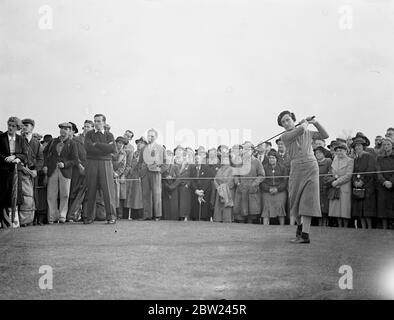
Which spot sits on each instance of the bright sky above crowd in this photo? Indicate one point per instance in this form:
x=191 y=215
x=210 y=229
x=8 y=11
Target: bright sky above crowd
x=184 y=67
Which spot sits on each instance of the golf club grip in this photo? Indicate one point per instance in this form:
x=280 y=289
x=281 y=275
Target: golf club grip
x=310 y=118
x=307 y=119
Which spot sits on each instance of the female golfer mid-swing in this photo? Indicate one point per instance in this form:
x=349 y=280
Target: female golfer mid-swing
x=304 y=171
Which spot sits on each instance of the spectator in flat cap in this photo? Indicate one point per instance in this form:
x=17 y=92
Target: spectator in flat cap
x=77 y=201
x=35 y=162
x=61 y=157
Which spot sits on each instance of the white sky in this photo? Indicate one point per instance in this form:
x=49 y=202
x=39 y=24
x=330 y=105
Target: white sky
x=206 y=64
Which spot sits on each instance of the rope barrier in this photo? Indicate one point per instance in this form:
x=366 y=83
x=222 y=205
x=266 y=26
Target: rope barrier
x=253 y=177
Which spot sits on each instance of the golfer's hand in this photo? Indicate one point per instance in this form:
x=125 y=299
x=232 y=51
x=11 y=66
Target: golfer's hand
x=334 y=183
x=304 y=123
x=17 y=160
x=60 y=165
x=311 y=121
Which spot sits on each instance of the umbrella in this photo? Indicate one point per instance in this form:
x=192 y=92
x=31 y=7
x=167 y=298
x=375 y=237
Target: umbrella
x=14 y=194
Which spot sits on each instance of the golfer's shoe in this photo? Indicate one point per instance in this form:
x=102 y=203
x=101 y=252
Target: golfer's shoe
x=298 y=233
x=111 y=221
x=87 y=221
x=304 y=238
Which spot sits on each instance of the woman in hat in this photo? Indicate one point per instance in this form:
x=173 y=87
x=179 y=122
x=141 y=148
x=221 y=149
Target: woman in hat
x=341 y=171
x=385 y=183
x=184 y=161
x=134 y=190
x=364 y=186
x=304 y=172
x=249 y=173
x=324 y=164
x=274 y=189
x=224 y=184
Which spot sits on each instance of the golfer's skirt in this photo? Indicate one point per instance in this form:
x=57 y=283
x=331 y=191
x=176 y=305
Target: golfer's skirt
x=304 y=194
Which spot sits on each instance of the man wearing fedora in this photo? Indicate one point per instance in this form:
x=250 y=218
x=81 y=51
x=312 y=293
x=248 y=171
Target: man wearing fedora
x=59 y=159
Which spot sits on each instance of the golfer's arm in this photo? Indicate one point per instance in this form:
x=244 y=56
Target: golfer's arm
x=290 y=136
x=322 y=131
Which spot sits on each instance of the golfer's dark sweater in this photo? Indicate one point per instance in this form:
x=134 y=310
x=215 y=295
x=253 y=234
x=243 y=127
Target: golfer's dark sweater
x=99 y=146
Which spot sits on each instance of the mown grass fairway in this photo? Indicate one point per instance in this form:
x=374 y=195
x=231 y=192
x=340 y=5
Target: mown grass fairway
x=190 y=260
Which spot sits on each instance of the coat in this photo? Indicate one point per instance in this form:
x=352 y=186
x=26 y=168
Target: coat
x=170 y=196
x=247 y=198
x=284 y=160
x=274 y=205
x=366 y=207
x=35 y=155
x=343 y=168
x=133 y=186
x=201 y=184
x=324 y=168
x=68 y=155
x=78 y=170
x=385 y=207
x=224 y=176
x=271 y=180
x=119 y=165
x=7 y=169
x=152 y=158
x=184 y=190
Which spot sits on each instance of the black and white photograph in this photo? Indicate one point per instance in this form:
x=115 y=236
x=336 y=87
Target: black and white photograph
x=212 y=152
